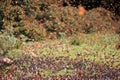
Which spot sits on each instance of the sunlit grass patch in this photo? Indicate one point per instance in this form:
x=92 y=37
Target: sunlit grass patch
x=93 y=47
x=47 y=73
x=65 y=72
x=60 y=57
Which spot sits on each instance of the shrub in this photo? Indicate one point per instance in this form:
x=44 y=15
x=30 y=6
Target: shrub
x=7 y=43
x=67 y=20
x=19 y=24
x=21 y=2
x=97 y=19
x=40 y=16
x=36 y=34
x=88 y=28
x=32 y=33
x=60 y=19
x=14 y=14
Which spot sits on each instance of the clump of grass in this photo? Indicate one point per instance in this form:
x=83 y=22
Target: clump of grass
x=47 y=73
x=64 y=72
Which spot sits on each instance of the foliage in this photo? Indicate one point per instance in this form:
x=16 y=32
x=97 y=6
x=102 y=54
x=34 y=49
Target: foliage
x=56 y=17
x=7 y=43
x=19 y=24
x=14 y=14
x=31 y=32
x=21 y=2
x=63 y=19
x=59 y=20
x=84 y=55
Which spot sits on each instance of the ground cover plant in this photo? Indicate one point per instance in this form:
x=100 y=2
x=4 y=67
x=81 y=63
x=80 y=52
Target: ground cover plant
x=59 y=40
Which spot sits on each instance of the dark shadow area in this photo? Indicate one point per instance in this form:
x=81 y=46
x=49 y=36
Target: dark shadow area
x=112 y=5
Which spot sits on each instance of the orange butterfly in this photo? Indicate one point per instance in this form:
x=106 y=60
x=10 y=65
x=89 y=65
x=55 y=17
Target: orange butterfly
x=82 y=11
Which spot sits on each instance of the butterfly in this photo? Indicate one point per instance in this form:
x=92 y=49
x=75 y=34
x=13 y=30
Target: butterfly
x=81 y=11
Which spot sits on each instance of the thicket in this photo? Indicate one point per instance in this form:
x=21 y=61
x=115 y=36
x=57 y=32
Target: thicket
x=37 y=20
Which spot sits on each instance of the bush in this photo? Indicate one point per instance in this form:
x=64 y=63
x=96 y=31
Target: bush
x=19 y=24
x=36 y=34
x=21 y=2
x=67 y=20
x=88 y=28
x=60 y=20
x=96 y=20
x=7 y=43
x=32 y=33
x=14 y=14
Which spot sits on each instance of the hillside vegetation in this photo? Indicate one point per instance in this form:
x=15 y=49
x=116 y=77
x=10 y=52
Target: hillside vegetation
x=60 y=40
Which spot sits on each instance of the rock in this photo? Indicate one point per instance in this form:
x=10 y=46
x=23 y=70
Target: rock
x=5 y=60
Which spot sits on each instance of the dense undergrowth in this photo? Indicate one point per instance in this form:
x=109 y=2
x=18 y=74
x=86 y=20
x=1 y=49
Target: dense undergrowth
x=49 y=39
x=37 y=20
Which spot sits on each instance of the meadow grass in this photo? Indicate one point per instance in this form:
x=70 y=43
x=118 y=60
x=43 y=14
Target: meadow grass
x=89 y=44
x=98 y=48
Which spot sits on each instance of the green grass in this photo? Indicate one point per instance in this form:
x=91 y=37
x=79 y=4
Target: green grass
x=98 y=48
x=65 y=71
x=96 y=45
x=93 y=47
